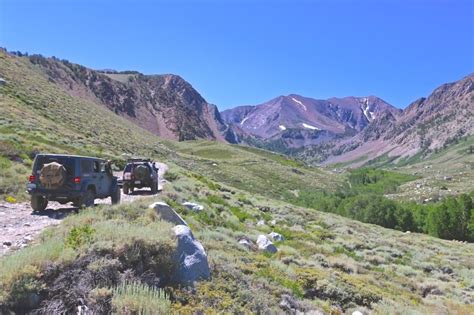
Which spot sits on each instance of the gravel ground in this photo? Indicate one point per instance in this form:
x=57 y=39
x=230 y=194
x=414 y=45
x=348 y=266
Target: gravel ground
x=20 y=225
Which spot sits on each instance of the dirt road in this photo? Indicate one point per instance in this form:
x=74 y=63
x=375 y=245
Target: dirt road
x=19 y=225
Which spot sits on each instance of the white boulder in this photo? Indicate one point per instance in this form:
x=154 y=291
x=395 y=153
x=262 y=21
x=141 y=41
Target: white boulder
x=261 y=223
x=191 y=258
x=167 y=213
x=193 y=206
x=276 y=237
x=264 y=244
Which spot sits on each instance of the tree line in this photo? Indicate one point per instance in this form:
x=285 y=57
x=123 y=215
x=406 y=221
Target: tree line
x=362 y=198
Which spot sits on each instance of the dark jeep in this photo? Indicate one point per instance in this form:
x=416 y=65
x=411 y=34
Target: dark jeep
x=139 y=173
x=71 y=178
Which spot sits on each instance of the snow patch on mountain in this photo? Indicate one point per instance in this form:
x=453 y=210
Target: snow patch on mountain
x=243 y=121
x=365 y=108
x=310 y=127
x=282 y=127
x=299 y=103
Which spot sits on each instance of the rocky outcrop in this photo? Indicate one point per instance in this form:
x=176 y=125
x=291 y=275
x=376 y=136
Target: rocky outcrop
x=165 y=105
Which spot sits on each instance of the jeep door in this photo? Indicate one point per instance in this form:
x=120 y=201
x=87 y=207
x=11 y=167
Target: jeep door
x=106 y=179
x=97 y=179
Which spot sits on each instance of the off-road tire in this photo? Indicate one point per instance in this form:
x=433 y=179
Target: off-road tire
x=154 y=188
x=125 y=188
x=115 y=197
x=88 y=199
x=39 y=203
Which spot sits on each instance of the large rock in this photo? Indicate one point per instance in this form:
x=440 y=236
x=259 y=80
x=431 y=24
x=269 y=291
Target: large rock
x=191 y=259
x=167 y=213
x=264 y=244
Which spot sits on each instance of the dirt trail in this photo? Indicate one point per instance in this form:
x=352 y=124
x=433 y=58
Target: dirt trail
x=19 y=225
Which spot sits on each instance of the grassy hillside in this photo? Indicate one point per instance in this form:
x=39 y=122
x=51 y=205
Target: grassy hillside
x=447 y=172
x=115 y=258
x=326 y=262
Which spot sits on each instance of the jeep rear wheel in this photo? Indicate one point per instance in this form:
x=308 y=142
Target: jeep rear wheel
x=88 y=199
x=39 y=203
x=115 y=197
x=125 y=189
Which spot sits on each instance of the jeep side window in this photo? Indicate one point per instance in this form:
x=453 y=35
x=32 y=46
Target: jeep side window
x=96 y=167
x=86 y=166
x=102 y=167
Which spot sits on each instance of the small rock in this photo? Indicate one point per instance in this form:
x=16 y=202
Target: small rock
x=288 y=303
x=82 y=310
x=265 y=244
x=245 y=243
x=276 y=237
x=261 y=222
x=273 y=222
x=26 y=224
x=357 y=313
x=447 y=178
x=193 y=206
x=7 y=243
x=447 y=270
x=264 y=209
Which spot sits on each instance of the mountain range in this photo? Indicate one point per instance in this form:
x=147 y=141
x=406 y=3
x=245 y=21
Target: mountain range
x=350 y=130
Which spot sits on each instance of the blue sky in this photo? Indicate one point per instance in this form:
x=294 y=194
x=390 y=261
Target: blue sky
x=246 y=52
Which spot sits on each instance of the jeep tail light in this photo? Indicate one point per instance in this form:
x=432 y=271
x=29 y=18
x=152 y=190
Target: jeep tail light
x=127 y=176
x=77 y=180
x=32 y=178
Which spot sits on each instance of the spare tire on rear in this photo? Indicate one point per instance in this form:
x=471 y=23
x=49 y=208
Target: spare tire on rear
x=141 y=172
x=53 y=175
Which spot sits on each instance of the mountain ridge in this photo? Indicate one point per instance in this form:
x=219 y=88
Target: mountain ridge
x=357 y=126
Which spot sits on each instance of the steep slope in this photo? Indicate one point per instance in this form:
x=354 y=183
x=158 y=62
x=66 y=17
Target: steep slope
x=165 y=105
x=298 y=121
x=425 y=126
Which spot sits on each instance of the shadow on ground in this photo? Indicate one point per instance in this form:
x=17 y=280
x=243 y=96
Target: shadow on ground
x=57 y=214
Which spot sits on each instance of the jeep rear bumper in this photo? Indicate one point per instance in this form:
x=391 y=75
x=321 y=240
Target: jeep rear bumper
x=52 y=195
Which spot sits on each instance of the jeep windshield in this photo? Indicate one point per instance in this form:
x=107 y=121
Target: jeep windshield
x=67 y=162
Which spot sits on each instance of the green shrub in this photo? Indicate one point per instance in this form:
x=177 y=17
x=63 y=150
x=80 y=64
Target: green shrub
x=240 y=214
x=79 y=236
x=171 y=176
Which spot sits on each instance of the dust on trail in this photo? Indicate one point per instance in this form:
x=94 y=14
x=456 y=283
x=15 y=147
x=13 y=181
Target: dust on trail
x=20 y=225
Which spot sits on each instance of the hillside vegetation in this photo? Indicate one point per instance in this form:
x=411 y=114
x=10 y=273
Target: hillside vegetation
x=325 y=262
x=117 y=258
